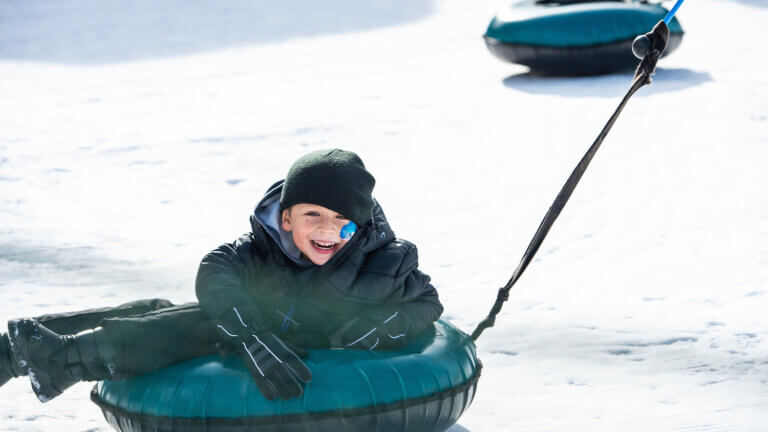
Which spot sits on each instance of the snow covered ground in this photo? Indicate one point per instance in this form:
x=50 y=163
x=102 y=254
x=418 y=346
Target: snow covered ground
x=137 y=136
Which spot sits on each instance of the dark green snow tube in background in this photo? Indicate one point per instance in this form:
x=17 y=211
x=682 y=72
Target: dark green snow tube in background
x=425 y=386
x=575 y=37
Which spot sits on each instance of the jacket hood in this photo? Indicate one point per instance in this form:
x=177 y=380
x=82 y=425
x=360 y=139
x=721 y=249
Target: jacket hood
x=266 y=215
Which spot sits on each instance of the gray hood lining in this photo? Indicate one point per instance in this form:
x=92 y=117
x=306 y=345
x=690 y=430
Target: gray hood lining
x=268 y=215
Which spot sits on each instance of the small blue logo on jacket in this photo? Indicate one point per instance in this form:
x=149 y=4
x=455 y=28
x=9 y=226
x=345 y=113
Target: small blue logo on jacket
x=288 y=319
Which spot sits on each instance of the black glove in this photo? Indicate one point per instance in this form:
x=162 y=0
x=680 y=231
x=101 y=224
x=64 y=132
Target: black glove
x=275 y=368
x=226 y=349
x=380 y=330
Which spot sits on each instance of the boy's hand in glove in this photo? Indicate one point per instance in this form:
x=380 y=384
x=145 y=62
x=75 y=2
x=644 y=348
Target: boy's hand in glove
x=276 y=369
x=381 y=330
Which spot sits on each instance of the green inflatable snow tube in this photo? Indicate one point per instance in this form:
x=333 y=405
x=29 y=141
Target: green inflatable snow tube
x=424 y=386
x=575 y=37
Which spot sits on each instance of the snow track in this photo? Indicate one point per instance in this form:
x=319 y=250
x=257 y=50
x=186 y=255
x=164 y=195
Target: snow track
x=137 y=136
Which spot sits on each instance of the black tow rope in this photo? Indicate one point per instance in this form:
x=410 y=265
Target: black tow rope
x=649 y=48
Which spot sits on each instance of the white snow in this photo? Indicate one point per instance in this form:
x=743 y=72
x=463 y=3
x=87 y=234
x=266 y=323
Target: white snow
x=35 y=382
x=137 y=136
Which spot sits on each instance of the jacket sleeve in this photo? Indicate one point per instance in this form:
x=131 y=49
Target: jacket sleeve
x=222 y=280
x=414 y=297
x=425 y=309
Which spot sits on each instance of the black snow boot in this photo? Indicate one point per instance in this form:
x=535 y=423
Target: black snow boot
x=55 y=362
x=7 y=365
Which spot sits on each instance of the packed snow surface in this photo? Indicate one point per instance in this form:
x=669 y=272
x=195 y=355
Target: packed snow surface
x=137 y=136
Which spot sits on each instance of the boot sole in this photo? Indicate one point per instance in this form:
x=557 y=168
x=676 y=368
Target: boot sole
x=19 y=332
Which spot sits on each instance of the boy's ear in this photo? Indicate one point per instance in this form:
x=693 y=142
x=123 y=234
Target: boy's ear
x=286 y=219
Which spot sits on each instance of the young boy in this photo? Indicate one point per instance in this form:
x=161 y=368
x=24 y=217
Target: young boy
x=321 y=268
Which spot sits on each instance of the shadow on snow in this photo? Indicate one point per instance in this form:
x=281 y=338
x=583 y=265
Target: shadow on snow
x=102 y=31
x=608 y=86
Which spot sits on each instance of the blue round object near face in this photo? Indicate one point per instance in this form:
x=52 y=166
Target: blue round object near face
x=348 y=231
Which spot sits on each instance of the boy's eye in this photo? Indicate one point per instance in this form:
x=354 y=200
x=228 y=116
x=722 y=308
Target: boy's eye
x=312 y=213
x=341 y=217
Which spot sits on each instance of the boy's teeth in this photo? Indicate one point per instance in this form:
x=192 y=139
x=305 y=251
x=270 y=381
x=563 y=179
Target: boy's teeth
x=324 y=245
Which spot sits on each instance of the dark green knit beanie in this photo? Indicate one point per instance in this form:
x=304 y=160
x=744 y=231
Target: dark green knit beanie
x=335 y=179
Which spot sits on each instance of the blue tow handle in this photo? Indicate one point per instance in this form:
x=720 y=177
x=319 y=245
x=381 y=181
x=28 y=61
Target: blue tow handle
x=671 y=13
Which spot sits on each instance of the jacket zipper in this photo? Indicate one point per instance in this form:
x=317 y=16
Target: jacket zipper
x=349 y=247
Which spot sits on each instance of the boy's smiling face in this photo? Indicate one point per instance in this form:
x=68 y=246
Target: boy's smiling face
x=316 y=230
